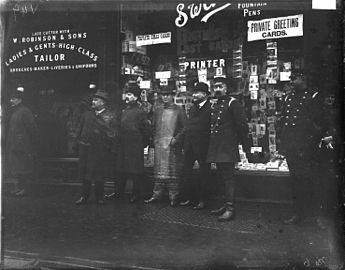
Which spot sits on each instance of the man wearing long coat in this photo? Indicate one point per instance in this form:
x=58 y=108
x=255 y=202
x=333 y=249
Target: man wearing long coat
x=169 y=121
x=228 y=129
x=20 y=143
x=97 y=137
x=135 y=131
x=196 y=140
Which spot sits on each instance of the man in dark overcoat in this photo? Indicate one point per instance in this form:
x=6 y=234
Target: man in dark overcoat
x=135 y=132
x=97 y=137
x=196 y=138
x=19 y=157
x=301 y=132
x=228 y=129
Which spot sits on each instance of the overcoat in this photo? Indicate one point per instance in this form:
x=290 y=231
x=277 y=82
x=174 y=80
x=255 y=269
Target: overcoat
x=135 y=131
x=97 y=136
x=228 y=129
x=20 y=141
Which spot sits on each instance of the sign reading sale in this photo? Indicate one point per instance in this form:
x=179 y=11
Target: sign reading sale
x=273 y=28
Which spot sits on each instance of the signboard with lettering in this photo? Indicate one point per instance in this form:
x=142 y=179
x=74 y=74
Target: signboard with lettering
x=51 y=50
x=151 y=39
x=273 y=28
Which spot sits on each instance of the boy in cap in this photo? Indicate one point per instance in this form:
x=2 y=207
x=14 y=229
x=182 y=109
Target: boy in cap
x=19 y=158
x=135 y=132
x=169 y=121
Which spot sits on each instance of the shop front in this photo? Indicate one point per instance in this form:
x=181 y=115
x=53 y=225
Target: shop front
x=56 y=54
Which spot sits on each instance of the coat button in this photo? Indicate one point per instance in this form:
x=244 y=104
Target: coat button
x=293 y=124
x=218 y=118
x=288 y=105
x=297 y=110
x=211 y=131
x=287 y=111
x=216 y=131
x=286 y=124
x=294 y=116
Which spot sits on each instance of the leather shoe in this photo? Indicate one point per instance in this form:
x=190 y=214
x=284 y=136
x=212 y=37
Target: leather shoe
x=100 y=202
x=20 y=193
x=228 y=215
x=110 y=196
x=201 y=205
x=219 y=211
x=293 y=220
x=133 y=199
x=185 y=203
x=81 y=201
x=173 y=203
x=151 y=200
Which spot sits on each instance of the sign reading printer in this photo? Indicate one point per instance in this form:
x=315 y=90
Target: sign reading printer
x=151 y=39
x=282 y=27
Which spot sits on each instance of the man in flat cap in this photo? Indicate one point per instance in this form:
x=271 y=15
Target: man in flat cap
x=229 y=128
x=196 y=138
x=19 y=157
x=135 y=132
x=97 y=135
x=301 y=132
x=169 y=121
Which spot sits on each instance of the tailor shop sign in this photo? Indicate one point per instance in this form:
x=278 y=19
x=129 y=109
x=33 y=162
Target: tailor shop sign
x=273 y=28
x=51 y=51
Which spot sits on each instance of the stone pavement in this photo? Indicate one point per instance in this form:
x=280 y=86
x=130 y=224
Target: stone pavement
x=45 y=230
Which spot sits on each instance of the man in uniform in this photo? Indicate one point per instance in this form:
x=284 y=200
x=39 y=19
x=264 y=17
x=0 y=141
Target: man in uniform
x=228 y=129
x=301 y=133
x=196 y=138
x=135 y=132
x=20 y=143
x=97 y=135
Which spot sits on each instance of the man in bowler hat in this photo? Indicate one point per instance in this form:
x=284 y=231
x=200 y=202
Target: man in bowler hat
x=97 y=135
x=19 y=157
x=135 y=132
x=228 y=129
x=196 y=138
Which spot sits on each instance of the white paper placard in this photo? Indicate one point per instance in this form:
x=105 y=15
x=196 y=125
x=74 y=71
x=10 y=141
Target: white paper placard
x=145 y=84
x=324 y=4
x=273 y=28
x=143 y=40
x=163 y=74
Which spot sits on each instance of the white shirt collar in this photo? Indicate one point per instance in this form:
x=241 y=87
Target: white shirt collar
x=202 y=103
x=100 y=111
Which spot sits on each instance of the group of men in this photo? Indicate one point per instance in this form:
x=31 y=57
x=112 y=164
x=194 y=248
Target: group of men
x=210 y=134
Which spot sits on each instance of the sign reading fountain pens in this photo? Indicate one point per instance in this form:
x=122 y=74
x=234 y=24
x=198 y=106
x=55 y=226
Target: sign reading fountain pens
x=52 y=50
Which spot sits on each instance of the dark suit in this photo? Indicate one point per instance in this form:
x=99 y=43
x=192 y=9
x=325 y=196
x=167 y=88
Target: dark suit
x=196 y=138
x=228 y=129
x=135 y=132
x=300 y=134
x=97 y=135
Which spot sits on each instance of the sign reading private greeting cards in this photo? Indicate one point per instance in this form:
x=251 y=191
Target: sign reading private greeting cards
x=273 y=28
x=50 y=50
x=151 y=39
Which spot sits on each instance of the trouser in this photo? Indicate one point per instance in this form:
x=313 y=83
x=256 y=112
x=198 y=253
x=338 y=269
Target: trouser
x=191 y=189
x=162 y=184
x=227 y=172
x=301 y=168
x=137 y=179
x=90 y=170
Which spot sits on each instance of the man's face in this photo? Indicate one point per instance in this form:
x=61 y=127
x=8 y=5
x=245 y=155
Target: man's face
x=297 y=81
x=130 y=98
x=15 y=101
x=199 y=96
x=167 y=98
x=220 y=89
x=98 y=103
